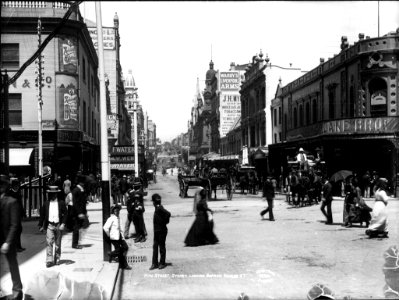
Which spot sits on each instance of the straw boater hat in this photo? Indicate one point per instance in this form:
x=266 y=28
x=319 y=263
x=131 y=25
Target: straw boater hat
x=53 y=189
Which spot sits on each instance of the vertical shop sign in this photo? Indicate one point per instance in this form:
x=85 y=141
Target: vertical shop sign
x=68 y=55
x=69 y=107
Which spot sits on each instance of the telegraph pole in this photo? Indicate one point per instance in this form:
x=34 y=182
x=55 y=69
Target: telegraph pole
x=105 y=170
x=136 y=142
x=39 y=84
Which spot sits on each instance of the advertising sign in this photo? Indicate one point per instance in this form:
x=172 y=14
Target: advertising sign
x=108 y=37
x=229 y=81
x=230 y=110
x=111 y=122
x=68 y=54
x=122 y=167
x=69 y=107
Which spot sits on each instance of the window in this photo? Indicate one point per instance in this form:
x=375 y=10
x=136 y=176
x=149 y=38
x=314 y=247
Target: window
x=331 y=103
x=300 y=115
x=275 y=116
x=84 y=116
x=15 y=109
x=378 y=97
x=351 y=102
x=84 y=68
x=295 y=117
x=307 y=113
x=275 y=138
x=279 y=115
x=92 y=85
x=314 y=109
x=9 y=56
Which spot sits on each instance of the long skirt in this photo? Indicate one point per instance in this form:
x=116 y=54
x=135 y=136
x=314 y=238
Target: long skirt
x=201 y=232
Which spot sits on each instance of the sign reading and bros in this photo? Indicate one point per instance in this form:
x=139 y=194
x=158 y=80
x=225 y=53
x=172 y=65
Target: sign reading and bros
x=108 y=37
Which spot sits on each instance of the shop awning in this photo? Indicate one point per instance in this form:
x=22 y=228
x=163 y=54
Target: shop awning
x=20 y=156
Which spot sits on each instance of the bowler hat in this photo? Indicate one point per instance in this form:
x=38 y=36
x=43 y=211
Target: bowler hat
x=53 y=189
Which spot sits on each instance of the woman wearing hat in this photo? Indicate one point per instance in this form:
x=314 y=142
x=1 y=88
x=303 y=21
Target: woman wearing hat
x=53 y=217
x=379 y=215
x=113 y=230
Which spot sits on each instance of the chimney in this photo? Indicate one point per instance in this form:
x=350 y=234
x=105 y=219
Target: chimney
x=344 y=43
x=361 y=36
x=321 y=60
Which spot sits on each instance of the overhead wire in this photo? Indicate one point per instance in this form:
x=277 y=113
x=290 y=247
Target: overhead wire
x=43 y=45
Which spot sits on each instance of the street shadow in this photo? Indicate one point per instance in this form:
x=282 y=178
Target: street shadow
x=66 y=262
x=86 y=245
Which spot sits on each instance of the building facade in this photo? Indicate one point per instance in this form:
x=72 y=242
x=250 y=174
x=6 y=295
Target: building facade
x=348 y=106
x=70 y=92
x=257 y=92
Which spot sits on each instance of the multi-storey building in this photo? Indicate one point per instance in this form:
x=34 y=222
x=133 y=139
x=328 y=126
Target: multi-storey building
x=70 y=92
x=348 y=106
x=257 y=91
x=118 y=119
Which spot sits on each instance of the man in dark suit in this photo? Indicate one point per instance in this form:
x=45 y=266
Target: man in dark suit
x=15 y=192
x=161 y=218
x=53 y=217
x=10 y=222
x=79 y=199
x=269 y=194
x=327 y=201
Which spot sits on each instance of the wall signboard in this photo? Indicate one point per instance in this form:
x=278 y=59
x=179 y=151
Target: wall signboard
x=108 y=37
x=68 y=54
x=69 y=107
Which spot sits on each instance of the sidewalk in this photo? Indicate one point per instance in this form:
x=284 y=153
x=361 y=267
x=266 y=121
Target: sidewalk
x=82 y=273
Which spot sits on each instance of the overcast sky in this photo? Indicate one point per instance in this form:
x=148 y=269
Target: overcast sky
x=168 y=45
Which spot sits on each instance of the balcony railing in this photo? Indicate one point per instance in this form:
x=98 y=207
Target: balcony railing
x=35 y=4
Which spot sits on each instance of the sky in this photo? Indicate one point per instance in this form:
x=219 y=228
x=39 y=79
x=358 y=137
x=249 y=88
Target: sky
x=168 y=45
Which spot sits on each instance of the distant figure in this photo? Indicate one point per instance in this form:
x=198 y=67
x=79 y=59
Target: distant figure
x=79 y=210
x=10 y=222
x=302 y=159
x=327 y=201
x=53 y=217
x=66 y=185
x=113 y=230
x=269 y=194
x=201 y=231
x=161 y=219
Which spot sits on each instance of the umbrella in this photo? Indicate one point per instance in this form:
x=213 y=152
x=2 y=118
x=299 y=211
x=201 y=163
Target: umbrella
x=341 y=175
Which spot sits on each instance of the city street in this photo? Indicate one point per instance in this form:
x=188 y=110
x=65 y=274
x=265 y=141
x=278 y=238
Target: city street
x=263 y=259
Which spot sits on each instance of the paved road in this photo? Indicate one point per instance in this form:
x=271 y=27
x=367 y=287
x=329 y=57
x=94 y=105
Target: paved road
x=263 y=259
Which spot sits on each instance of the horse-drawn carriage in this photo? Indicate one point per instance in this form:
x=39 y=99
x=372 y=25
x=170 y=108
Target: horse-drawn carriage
x=221 y=181
x=187 y=181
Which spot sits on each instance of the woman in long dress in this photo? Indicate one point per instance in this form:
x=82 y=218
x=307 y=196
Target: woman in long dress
x=201 y=232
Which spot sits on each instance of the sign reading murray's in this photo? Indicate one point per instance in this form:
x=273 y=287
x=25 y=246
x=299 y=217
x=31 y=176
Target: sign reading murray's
x=230 y=103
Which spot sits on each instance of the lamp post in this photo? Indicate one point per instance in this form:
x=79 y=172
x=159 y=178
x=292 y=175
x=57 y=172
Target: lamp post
x=39 y=84
x=105 y=170
x=136 y=154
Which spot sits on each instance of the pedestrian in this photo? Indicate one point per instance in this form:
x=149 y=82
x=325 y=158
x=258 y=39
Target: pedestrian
x=53 y=217
x=113 y=230
x=15 y=192
x=10 y=222
x=327 y=201
x=201 y=231
x=79 y=199
x=123 y=188
x=161 y=219
x=379 y=215
x=138 y=217
x=66 y=185
x=269 y=194
x=130 y=210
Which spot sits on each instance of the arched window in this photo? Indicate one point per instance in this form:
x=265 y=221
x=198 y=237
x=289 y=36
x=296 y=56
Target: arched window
x=378 y=97
x=301 y=115
x=351 y=102
x=331 y=103
x=307 y=114
x=314 y=110
x=295 y=117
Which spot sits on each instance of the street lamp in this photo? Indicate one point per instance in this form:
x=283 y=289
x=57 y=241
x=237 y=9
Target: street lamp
x=136 y=155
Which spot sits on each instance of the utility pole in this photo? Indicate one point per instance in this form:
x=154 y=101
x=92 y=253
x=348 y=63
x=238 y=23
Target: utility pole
x=105 y=169
x=39 y=85
x=136 y=142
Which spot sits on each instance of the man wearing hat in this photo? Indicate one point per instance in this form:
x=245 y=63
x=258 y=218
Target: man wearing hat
x=9 y=225
x=53 y=217
x=138 y=210
x=379 y=221
x=161 y=218
x=113 y=230
x=302 y=159
x=15 y=192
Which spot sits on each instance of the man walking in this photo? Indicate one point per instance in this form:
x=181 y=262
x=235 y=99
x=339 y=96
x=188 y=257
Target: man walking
x=10 y=222
x=161 y=218
x=79 y=210
x=15 y=192
x=327 y=201
x=268 y=193
x=53 y=217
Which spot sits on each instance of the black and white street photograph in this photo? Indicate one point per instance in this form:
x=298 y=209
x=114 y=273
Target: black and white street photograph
x=189 y=150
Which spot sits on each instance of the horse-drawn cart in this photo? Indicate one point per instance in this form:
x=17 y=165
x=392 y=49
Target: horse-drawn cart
x=221 y=181
x=187 y=181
